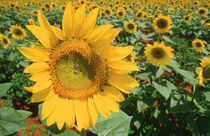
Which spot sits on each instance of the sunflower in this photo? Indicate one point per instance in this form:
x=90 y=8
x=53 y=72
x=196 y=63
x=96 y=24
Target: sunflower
x=130 y=26
x=198 y=45
x=204 y=71
x=159 y=54
x=139 y=15
x=187 y=18
x=4 y=41
x=107 y=11
x=77 y=73
x=31 y=21
x=162 y=24
x=202 y=12
x=196 y=3
x=47 y=6
x=120 y=12
x=17 y=32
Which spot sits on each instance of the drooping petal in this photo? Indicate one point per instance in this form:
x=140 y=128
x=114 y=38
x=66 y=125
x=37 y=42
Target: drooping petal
x=82 y=114
x=37 y=67
x=68 y=21
x=46 y=37
x=60 y=111
x=113 y=93
x=69 y=113
x=101 y=106
x=111 y=104
x=42 y=85
x=40 y=76
x=89 y=23
x=34 y=54
x=41 y=96
x=93 y=111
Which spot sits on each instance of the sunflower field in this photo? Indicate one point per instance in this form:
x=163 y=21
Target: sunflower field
x=104 y=67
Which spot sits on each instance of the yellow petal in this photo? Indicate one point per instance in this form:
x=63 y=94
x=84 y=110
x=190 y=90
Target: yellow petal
x=40 y=76
x=122 y=67
x=44 y=23
x=58 y=32
x=101 y=106
x=82 y=114
x=117 y=53
x=124 y=79
x=60 y=118
x=68 y=21
x=51 y=118
x=34 y=54
x=37 y=67
x=49 y=106
x=112 y=105
x=43 y=35
x=93 y=111
x=29 y=89
x=42 y=85
x=41 y=96
x=89 y=23
x=69 y=113
x=113 y=93
x=98 y=33
x=79 y=17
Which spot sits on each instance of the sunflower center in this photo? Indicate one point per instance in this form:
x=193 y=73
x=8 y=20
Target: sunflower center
x=18 y=32
x=5 y=41
x=158 y=53
x=139 y=14
x=206 y=71
x=76 y=71
x=198 y=44
x=162 y=23
x=201 y=11
x=187 y=18
x=107 y=12
x=130 y=26
x=121 y=13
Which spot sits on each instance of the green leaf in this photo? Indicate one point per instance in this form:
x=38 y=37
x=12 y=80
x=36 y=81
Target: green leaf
x=143 y=76
x=165 y=38
x=68 y=133
x=141 y=105
x=4 y=88
x=117 y=125
x=165 y=91
x=184 y=107
x=156 y=113
x=171 y=85
x=159 y=72
x=10 y=121
x=188 y=76
x=24 y=114
x=174 y=64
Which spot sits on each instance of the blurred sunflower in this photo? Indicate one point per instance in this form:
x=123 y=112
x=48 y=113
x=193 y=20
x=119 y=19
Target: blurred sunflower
x=130 y=26
x=139 y=15
x=4 y=41
x=31 y=21
x=159 y=54
x=107 y=11
x=198 y=45
x=202 y=12
x=76 y=71
x=162 y=24
x=187 y=18
x=47 y=6
x=120 y=12
x=196 y=2
x=204 y=71
x=17 y=32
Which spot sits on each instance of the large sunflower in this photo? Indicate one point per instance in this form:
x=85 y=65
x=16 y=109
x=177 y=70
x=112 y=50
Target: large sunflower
x=204 y=71
x=198 y=45
x=159 y=54
x=17 y=32
x=130 y=26
x=77 y=73
x=162 y=24
x=4 y=41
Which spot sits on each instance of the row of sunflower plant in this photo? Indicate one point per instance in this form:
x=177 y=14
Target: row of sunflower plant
x=105 y=67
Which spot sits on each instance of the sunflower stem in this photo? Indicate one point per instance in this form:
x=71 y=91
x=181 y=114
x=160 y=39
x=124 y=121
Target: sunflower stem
x=83 y=132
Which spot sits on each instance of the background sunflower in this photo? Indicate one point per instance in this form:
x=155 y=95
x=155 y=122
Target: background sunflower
x=130 y=26
x=198 y=45
x=162 y=24
x=17 y=32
